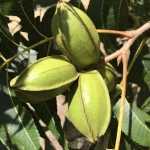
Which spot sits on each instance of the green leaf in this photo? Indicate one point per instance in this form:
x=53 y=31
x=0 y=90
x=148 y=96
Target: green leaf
x=51 y=120
x=17 y=128
x=134 y=123
x=146 y=106
x=146 y=64
x=147 y=79
x=115 y=14
x=145 y=61
x=2 y=146
x=128 y=144
x=141 y=11
x=4 y=27
x=109 y=14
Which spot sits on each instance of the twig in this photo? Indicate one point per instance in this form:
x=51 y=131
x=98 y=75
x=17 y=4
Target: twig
x=29 y=57
x=137 y=53
x=128 y=44
x=125 y=58
x=11 y=39
x=4 y=59
x=128 y=34
x=27 y=49
x=42 y=35
x=121 y=53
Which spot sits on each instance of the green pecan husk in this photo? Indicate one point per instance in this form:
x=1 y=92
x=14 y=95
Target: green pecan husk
x=76 y=35
x=45 y=79
x=89 y=105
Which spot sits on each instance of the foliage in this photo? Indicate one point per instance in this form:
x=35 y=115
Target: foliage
x=26 y=36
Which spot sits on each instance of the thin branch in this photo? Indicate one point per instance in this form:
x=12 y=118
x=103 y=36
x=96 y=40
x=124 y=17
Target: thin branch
x=137 y=53
x=21 y=52
x=122 y=53
x=128 y=34
x=11 y=40
x=31 y=22
x=129 y=43
x=125 y=58
x=4 y=59
x=29 y=57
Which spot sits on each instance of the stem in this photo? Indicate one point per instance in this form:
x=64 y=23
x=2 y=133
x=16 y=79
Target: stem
x=4 y=59
x=123 y=83
x=31 y=22
x=137 y=54
x=121 y=114
x=128 y=34
x=124 y=49
x=113 y=56
x=27 y=49
x=134 y=34
x=11 y=40
x=28 y=57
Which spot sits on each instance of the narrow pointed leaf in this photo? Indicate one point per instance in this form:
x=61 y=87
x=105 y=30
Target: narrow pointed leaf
x=134 y=123
x=109 y=14
x=17 y=128
x=4 y=27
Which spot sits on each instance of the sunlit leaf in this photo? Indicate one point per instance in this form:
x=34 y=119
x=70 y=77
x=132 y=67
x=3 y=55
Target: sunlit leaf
x=134 y=123
x=17 y=128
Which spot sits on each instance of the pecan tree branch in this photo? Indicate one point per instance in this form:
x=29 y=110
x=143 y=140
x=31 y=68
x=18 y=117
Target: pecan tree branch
x=128 y=34
x=134 y=34
x=122 y=53
x=26 y=49
x=125 y=58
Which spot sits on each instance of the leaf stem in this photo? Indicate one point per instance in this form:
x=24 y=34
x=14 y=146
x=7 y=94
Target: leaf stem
x=28 y=57
x=26 y=49
x=137 y=53
x=11 y=40
x=4 y=59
